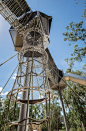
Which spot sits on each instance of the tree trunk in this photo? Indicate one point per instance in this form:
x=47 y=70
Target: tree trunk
x=83 y=128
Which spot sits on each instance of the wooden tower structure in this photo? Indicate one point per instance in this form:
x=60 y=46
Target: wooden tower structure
x=37 y=73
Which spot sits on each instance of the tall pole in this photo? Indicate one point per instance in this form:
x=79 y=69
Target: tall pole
x=23 y=108
x=49 y=114
x=65 y=118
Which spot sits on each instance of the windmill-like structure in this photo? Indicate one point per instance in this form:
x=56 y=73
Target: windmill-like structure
x=37 y=73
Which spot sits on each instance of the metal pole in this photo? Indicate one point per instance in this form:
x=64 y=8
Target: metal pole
x=23 y=108
x=49 y=126
x=47 y=114
x=65 y=119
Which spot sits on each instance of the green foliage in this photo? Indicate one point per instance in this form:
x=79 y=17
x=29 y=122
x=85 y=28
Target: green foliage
x=76 y=114
x=3 y=114
x=76 y=109
x=84 y=67
x=56 y=117
x=68 y=70
x=44 y=127
x=76 y=32
x=38 y=113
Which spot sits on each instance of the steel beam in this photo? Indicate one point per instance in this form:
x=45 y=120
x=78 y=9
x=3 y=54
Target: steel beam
x=23 y=108
x=63 y=109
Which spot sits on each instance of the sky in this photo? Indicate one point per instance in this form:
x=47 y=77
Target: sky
x=63 y=12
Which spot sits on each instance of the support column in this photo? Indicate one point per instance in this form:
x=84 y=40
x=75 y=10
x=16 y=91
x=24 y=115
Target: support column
x=23 y=108
x=48 y=113
x=65 y=118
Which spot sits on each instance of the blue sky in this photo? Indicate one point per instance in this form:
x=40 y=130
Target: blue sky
x=63 y=12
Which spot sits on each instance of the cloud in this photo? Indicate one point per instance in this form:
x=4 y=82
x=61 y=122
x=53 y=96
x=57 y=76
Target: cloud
x=3 y=94
x=18 y=97
x=20 y=93
x=41 y=96
x=14 y=77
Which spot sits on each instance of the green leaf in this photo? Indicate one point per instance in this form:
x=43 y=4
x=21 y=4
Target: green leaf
x=67 y=27
x=69 y=44
x=65 y=39
x=80 y=23
x=71 y=54
x=75 y=45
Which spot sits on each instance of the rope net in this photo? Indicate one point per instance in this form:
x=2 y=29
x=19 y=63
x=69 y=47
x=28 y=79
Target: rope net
x=31 y=90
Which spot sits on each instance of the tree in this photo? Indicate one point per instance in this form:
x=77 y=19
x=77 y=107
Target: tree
x=84 y=2
x=56 y=119
x=77 y=109
x=76 y=112
x=3 y=114
x=75 y=33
